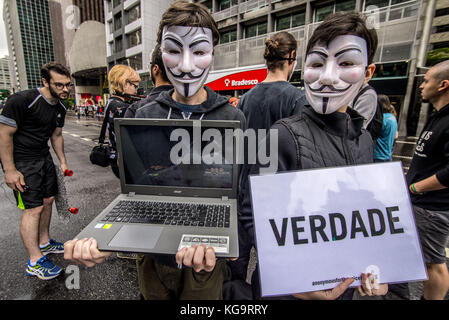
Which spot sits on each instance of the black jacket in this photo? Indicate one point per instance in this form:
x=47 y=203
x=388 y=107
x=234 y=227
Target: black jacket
x=311 y=140
x=265 y=104
x=154 y=93
x=115 y=108
x=432 y=157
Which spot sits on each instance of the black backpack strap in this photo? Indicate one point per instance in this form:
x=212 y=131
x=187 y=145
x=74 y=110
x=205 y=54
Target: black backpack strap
x=362 y=91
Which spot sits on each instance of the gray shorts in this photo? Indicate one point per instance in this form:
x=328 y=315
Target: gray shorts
x=433 y=229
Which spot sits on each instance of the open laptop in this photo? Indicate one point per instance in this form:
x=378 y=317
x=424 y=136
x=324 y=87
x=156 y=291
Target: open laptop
x=170 y=197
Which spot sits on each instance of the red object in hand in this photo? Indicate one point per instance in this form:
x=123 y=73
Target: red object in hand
x=68 y=173
x=73 y=210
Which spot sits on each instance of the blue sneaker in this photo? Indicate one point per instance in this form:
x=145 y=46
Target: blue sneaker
x=53 y=247
x=43 y=269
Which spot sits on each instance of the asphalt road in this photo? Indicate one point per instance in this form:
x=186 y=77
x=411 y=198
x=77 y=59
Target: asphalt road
x=91 y=189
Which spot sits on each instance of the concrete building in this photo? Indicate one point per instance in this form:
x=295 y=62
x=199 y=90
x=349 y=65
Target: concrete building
x=79 y=43
x=440 y=25
x=131 y=30
x=5 y=74
x=30 y=43
x=245 y=25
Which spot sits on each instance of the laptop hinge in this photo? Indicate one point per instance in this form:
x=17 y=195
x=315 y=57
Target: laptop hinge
x=224 y=198
x=131 y=194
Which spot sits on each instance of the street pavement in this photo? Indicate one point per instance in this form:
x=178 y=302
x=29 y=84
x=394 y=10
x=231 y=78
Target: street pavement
x=91 y=188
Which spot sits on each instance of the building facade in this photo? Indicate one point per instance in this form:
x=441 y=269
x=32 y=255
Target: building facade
x=440 y=25
x=245 y=25
x=131 y=32
x=30 y=43
x=5 y=74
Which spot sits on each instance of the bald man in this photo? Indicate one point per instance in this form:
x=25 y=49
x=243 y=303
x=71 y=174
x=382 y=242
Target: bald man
x=428 y=179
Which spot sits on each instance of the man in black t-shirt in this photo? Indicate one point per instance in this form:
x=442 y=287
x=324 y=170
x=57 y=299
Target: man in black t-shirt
x=30 y=118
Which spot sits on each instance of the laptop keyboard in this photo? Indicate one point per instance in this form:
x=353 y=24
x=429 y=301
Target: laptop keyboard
x=187 y=214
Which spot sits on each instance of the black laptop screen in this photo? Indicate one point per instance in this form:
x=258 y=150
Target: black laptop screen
x=177 y=156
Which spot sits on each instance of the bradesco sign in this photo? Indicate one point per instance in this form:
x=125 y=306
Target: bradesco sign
x=239 y=80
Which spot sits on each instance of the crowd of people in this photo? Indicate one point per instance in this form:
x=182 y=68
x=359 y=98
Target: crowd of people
x=332 y=123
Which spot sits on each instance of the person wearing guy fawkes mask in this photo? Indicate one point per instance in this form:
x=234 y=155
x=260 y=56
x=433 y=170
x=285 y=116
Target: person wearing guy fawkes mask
x=187 y=35
x=327 y=133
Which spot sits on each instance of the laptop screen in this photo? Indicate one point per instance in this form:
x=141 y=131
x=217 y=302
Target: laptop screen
x=173 y=156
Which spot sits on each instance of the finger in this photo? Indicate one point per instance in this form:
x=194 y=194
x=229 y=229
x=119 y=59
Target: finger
x=198 y=258
x=338 y=290
x=68 y=249
x=97 y=254
x=77 y=251
x=211 y=260
x=21 y=182
x=366 y=284
x=374 y=282
x=361 y=292
x=19 y=186
x=180 y=256
x=188 y=256
x=86 y=255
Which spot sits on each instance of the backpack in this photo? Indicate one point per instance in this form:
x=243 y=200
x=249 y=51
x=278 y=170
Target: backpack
x=375 y=126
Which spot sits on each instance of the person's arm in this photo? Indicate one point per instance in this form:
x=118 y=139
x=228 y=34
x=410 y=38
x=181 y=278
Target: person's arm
x=57 y=142
x=438 y=181
x=13 y=178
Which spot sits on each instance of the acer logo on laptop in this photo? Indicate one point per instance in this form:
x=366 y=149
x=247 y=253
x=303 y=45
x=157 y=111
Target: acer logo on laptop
x=177 y=191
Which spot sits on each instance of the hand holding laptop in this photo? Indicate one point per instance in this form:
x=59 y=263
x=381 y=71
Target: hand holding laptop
x=84 y=251
x=197 y=257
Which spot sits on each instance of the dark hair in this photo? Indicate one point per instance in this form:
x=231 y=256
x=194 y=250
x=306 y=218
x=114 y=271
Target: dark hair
x=344 y=23
x=277 y=47
x=386 y=104
x=188 y=14
x=55 y=67
x=156 y=59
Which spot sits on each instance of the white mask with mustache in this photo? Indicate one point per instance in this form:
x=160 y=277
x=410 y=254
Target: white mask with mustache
x=187 y=53
x=334 y=74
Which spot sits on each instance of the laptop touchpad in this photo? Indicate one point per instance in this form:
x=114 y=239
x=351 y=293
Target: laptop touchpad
x=136 y=236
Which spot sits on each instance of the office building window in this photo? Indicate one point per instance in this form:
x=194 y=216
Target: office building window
x=443 y=28
x=290 y=21
x=117 y=21
x=225 y=4
x=134 y=38
x=133 y=14
x=322 y=11
x=118 y=44
x=256 y=29
x=135 y=62
x=208 y=4
x=228 y=36
x=442 y=12
x=382 y=3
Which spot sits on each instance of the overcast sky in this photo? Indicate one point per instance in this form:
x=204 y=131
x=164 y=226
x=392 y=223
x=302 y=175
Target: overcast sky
x=3 y=44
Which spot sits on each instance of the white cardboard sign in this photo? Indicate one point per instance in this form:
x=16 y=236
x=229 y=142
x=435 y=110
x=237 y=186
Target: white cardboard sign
x=315 y=227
